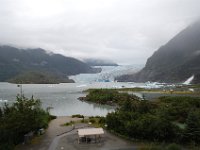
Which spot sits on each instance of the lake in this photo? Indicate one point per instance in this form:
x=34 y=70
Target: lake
x=62 y=97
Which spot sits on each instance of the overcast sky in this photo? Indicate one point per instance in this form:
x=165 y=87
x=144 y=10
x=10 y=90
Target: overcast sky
x=125 y=31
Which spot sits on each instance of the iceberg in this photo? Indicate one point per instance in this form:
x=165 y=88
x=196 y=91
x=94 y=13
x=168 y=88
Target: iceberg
x=189 y=80
x=3 y=101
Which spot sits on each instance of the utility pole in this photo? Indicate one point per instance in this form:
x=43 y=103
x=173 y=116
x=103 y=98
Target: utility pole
x=20 y=86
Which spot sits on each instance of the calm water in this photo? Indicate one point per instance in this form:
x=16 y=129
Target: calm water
x=62 y=97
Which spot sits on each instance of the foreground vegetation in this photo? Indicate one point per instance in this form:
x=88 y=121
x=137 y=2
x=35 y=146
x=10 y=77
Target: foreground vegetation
x=23 y=116
x=167 y=119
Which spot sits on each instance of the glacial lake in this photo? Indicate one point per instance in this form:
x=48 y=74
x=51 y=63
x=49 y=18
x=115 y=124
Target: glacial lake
x=61 y=97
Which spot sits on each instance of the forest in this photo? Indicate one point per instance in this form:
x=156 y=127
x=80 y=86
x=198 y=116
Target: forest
x=171 y=119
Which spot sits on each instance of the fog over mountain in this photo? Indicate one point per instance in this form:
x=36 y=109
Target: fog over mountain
x=99 y=62
x=174 y=62
x=124 y=31
x=20 y=62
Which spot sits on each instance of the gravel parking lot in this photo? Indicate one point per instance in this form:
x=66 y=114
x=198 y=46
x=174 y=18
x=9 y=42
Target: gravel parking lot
x=59 y=137
x=108 y=142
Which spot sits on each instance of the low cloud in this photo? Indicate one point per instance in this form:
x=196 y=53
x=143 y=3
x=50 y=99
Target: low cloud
x=127 y=32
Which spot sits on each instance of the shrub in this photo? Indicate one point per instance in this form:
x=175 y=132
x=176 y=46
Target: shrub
x=23 y=116
x=173 y=146
x=52 y=117
x=77 y=116
x=92 y=120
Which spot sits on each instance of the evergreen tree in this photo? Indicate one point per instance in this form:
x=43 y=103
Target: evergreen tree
x=193 y=126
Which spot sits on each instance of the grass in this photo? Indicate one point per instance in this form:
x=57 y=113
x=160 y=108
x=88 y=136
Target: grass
x=180 y=125
x=96 y=121
x=176 y=90
x=36 y=139
x=165 y=146
x=93 y=121
x=158 y=146
x=69 y=123
x=77 y=116
x=193 y=86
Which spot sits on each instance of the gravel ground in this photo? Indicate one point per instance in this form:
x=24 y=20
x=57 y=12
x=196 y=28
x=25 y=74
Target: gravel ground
x=108 y=142
x=59 y=137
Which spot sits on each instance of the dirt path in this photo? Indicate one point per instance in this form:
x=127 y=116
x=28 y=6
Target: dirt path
x=55 y=141
x=43 y=142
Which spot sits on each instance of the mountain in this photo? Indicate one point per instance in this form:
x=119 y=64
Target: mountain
x=99 y=62
x=174 y=62
x=14 y=62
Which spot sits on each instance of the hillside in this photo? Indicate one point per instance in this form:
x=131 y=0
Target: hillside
x=14 y=61
x=174 y=62
x=39 y=78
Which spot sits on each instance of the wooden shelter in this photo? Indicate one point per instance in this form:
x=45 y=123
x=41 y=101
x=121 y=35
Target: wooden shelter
x=90 y=134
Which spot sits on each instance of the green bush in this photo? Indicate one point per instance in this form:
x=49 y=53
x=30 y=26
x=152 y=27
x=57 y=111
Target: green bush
x=52 y=117
x=102 y=120
x=7 y=146
x=23 y=116
x=108 y=96
x=173 y=146
x=92 y=120
x=77 y=116
x=151 y=147
x=158 y=121
x=69 y=123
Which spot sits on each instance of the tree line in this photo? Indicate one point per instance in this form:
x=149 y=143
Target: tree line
x=166 y=119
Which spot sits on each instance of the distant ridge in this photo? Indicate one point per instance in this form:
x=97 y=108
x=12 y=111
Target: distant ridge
x=174 y=62
x=14 y=61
